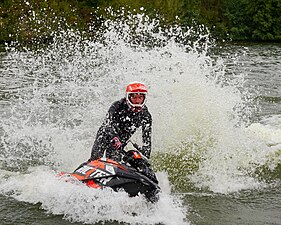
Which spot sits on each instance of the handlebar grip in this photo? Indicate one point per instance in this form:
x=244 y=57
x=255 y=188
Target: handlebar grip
x=136 y=146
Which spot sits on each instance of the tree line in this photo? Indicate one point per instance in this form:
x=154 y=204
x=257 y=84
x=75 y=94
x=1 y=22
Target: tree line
x=237 y=20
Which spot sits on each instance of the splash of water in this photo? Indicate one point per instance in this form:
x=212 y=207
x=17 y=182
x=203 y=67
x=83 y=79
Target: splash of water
x=63 y=91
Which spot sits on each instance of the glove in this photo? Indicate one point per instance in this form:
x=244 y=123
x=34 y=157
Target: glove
x=116 y=144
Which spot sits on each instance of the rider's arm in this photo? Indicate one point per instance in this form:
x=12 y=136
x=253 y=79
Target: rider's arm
x=110 y=122
x=146 y=135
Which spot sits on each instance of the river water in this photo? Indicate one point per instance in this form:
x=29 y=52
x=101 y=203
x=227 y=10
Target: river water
x=216 y=128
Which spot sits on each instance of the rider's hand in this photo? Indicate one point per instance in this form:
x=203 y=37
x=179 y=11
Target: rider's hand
x=116 y=143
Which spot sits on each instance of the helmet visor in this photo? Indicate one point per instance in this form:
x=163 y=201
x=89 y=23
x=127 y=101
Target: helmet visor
x=136 y=99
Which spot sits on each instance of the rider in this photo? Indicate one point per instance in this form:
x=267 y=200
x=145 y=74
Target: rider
x=122 y=120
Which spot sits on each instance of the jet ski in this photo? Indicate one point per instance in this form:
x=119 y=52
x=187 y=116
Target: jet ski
x=132 y=174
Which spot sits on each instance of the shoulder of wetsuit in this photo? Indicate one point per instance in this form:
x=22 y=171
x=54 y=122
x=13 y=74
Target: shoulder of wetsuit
x=146 y=113
x=116 y=105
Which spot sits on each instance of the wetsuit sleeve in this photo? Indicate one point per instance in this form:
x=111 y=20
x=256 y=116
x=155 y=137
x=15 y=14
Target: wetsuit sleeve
x=146 y=135
x=110 y=128
x=106 y=132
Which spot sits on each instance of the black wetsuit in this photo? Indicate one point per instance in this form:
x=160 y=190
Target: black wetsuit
x=122 y=122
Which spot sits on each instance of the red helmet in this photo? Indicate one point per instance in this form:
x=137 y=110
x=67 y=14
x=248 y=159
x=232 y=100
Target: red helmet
x=131 y=90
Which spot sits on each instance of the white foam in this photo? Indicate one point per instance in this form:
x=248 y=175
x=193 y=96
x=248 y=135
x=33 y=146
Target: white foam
x=82 y=204
x=269 y=130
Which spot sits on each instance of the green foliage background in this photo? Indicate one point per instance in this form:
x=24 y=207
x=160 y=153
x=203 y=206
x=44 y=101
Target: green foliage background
x=236 y=20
